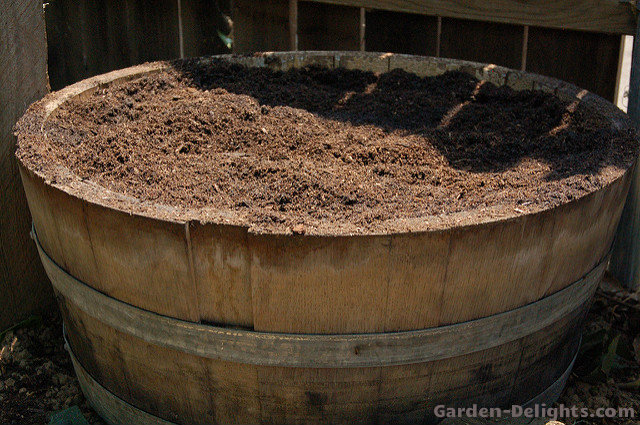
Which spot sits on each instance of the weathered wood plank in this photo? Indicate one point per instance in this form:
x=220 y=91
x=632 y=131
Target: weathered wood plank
x=214 y=391
x=331 y=351
x=111 y=408
x=87 y=38
x=293 y=24
x=23 y=79
x=607 y=16
x=260 y=26
x=625 y=259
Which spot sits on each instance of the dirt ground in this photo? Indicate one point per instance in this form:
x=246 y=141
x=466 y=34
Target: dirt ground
x=37 y=378
x=607 y=371
x=36 y=375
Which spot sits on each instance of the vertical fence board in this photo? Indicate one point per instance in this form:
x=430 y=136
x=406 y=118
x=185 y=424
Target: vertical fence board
x=61 y=49
x=625 y=258
x=23 y=79
x=260 y=26
x=201 y=21
x=328 y=27
x=482 y=42
x=401 y=33
x=152 y=29
x=87 y=38
x=587 y=60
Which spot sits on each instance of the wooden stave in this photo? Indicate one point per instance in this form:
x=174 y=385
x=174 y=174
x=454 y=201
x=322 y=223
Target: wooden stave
x=116 y=411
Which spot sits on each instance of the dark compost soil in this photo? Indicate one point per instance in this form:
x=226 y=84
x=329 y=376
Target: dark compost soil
x=36 y=374
x=331 y=151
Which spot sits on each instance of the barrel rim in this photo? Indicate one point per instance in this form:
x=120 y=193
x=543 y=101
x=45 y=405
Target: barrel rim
x=33 y=121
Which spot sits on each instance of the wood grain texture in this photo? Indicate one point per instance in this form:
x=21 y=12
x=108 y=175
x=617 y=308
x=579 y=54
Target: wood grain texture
x=482 y=42
x=149 y=268
x=346 y=350
x=608 y=16
x=111 y=408
x=293 y=25
x=23 y=79
x=216 y=391
x=222 y=276
x=116 y=411
x=260 y=26
x=625 y=262
x=87 y=38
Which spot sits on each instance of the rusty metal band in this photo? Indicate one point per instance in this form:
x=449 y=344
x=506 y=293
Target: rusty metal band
x=324 y=350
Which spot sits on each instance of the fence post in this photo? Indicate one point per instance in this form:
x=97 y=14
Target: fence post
x=24 y=289
x=625 y=258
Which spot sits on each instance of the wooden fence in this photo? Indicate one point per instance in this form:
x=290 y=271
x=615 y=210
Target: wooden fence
x=87 y=37
x=575 y=40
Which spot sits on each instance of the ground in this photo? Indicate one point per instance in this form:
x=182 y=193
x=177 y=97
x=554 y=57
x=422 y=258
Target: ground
x=607 y=371
x=36 y=375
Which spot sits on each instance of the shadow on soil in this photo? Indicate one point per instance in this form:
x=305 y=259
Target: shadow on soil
x=477 y=127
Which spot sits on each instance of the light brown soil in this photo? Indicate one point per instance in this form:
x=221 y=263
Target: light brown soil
x=331 y=151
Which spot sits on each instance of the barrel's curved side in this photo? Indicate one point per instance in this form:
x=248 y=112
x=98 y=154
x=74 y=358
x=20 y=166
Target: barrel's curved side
x=187 y=388
x=307 y=284
x=322 y=350
x=116 y=411
x=132 y=258
x=416 y=281
x=212 y=376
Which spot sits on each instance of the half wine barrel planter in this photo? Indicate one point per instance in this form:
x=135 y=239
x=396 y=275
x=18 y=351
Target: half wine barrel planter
x=194 y=322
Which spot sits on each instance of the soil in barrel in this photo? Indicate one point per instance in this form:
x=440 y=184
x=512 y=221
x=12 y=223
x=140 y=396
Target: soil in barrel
x=330 y=151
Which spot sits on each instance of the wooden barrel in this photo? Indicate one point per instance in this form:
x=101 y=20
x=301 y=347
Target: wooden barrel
x=192 y=322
